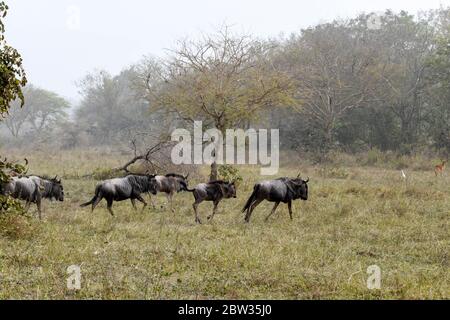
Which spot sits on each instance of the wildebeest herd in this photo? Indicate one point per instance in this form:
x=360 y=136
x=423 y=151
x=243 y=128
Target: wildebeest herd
x=32 y=189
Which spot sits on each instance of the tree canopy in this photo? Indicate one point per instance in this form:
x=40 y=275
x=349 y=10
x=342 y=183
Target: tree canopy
x=12 y=79
x=12 y=74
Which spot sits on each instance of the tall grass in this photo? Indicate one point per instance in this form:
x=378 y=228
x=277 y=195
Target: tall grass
x=367 y=216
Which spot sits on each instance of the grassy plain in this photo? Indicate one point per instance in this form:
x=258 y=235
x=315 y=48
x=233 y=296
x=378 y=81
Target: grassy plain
x=357 y=216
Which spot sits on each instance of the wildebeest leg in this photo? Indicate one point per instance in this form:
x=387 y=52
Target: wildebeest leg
x=251 y=208
x=195 y=206
x=216 y=203
x=139 y=197
x=38 y=204
x=273 y=210
x=109 y=206
x=96 y=202
x=133 y=202
x=290 y=209
x=170 y=199
x=152 y=200
x=27 y=206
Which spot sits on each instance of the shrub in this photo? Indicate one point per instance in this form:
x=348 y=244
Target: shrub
x=333 y=173
x=229 y=173
x=373 y=157
x=14 y=225
x=104 y=174
x=6 y=203
x=401 y=163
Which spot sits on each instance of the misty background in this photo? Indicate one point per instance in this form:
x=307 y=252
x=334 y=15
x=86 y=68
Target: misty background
x=351 y=76
x=112 y=36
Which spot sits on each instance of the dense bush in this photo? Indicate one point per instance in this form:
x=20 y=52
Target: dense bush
x=229 y=173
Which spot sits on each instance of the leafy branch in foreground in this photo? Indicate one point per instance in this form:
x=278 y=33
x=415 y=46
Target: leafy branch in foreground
x=8 y=169
x=12 y=79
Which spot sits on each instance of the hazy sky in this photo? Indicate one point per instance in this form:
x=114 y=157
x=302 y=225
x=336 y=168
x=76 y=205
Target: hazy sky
x=62 y=40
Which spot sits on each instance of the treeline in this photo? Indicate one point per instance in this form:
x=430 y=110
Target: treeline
x=350 y=85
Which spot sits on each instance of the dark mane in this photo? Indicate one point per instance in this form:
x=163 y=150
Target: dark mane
x=43 y=177
x=140 y=175
x=218 y=182
x=139 y=182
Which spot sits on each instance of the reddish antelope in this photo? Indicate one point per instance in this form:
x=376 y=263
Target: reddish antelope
x=439 y=169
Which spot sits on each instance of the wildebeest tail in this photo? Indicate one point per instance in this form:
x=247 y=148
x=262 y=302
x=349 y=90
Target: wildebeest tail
x=252 y=198
x=184 y=186
x=97 y=192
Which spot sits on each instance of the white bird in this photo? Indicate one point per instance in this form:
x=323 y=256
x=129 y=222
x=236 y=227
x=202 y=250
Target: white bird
x=403 y=175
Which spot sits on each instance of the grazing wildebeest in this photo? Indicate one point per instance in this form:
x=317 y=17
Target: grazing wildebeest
x=24 y=188
x=170 y=184
x=280 y=190
x=51 y=188
x=212 y=191
x=119 y=189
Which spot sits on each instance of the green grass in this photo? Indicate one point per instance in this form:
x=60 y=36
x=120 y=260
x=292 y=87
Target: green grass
x=366 y=217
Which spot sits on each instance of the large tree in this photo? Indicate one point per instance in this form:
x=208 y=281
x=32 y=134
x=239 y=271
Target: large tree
x=12 y=74
x=438 y=83
x=404 y=45
x=111 y=109
x=42 y=110
x=332 y=65
x=223 y=79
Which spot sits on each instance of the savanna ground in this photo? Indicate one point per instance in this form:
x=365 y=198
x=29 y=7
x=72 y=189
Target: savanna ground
x=357 y=216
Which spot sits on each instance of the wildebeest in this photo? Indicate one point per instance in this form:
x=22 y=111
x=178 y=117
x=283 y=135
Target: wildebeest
x=51 y=188
x=212 y=191
x=170 y=184
x=119 y=189
x=280 y=190
x=24 y=188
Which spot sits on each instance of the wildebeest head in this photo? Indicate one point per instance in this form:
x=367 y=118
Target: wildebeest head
x=57 y=190
x=152 y=184
x=229 y=190
x=300 y=188
x=181 y=181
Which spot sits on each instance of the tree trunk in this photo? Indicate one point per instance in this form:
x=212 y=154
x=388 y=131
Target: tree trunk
x=214 y=174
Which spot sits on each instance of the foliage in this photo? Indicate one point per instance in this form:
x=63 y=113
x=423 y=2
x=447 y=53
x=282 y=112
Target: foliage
x=226 y=80
x=362 y=87
x=105 y=173
x=12 y=79
x=16 y=226
x=229 y=173
x=373 y=156
x=339 y=86
x=230 y=82
x=12 y=74
x=333 y=172
x=111 y=111
x=42 y=111
x=7 y=204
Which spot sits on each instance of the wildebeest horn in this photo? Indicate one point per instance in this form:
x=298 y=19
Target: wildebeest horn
x=185 y=178
x=307 y=180
x=298 y=175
